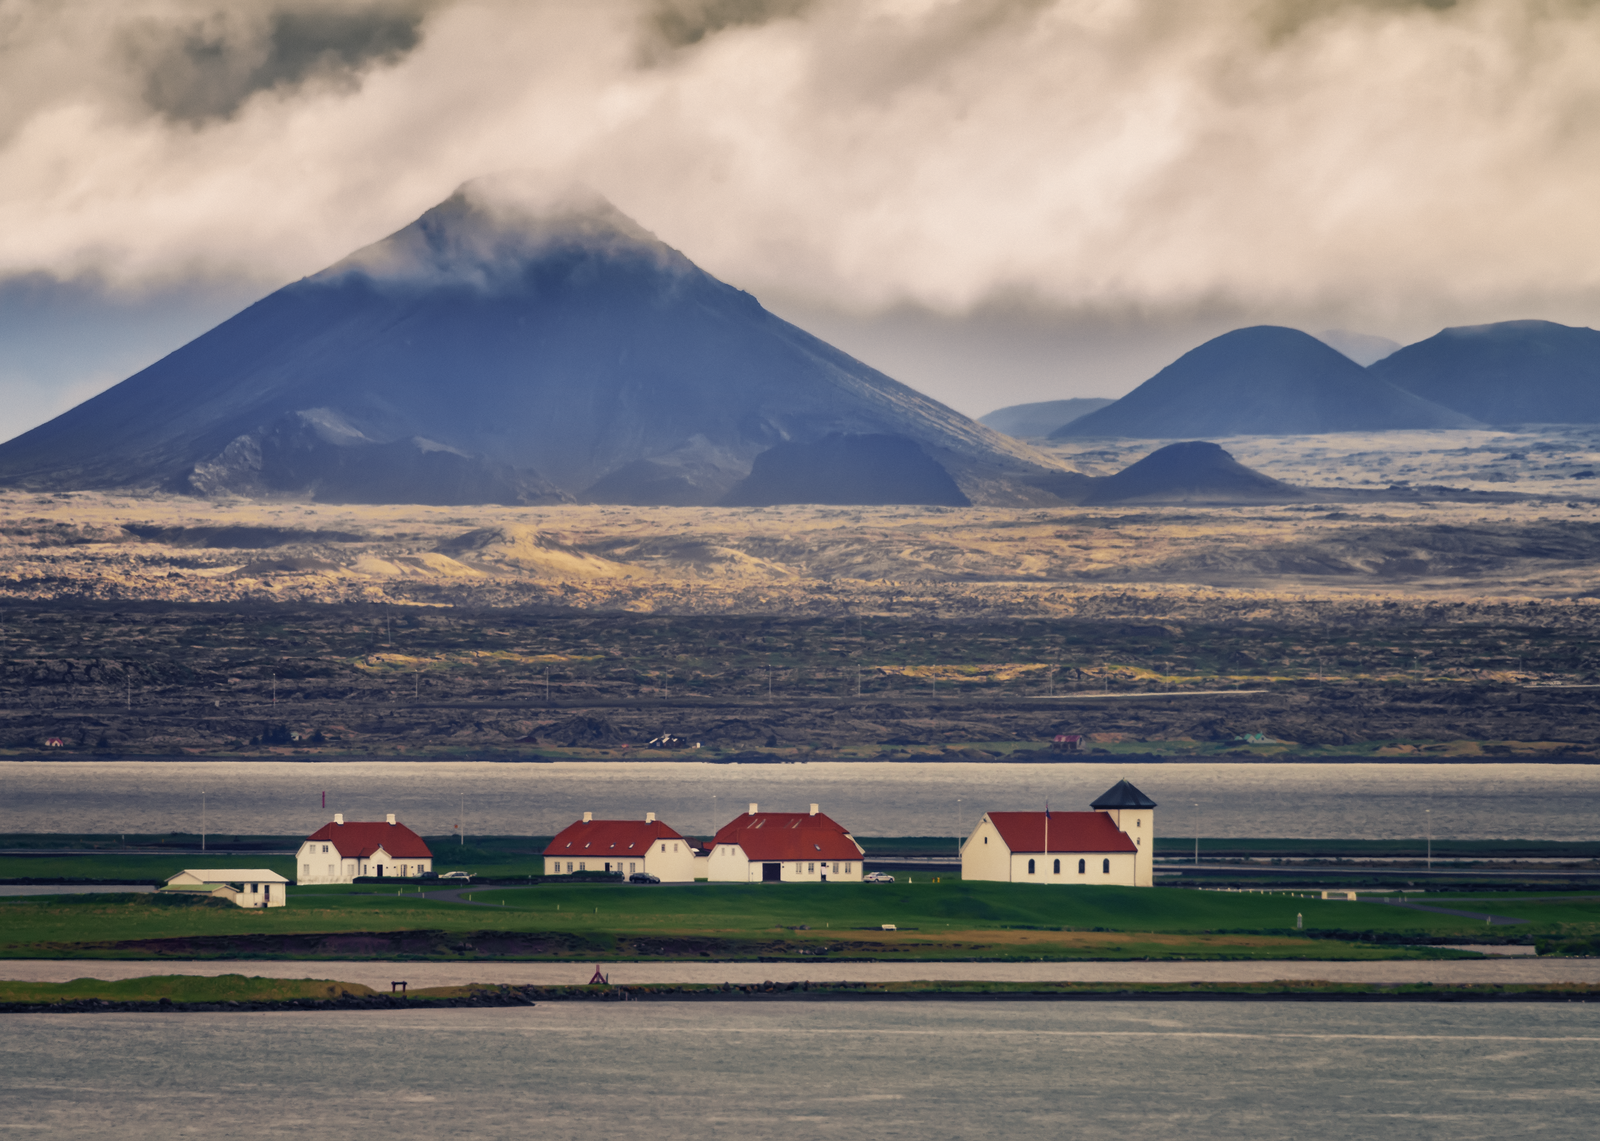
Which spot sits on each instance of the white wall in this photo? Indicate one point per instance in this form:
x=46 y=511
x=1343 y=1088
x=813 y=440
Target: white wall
x=1121 y=874
x=985 y=856
x=1140 y=825
x=313 y=865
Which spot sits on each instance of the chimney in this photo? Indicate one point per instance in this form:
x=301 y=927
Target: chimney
x=391 y=818
x=752 y=808
x=587 y=817
x=338 y=818
x=649 y=817
x=813 y=810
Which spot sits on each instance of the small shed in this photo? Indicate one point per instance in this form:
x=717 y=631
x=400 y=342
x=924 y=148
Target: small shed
x=244 y=887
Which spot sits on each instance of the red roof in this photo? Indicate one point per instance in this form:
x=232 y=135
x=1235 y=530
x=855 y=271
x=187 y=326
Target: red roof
x=1069 y=832
x=789 y=836
x=602 y=838
x=357 y=839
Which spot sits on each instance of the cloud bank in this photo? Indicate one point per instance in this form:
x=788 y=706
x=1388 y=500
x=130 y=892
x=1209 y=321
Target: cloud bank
x=1359 y=157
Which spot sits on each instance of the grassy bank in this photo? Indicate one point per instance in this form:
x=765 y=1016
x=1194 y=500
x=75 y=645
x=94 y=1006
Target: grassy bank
x=947 y=920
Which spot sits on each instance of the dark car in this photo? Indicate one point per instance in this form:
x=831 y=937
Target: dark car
x=643 y=877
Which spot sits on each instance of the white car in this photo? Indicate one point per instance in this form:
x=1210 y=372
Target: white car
x=877 y=877
x=455 y=875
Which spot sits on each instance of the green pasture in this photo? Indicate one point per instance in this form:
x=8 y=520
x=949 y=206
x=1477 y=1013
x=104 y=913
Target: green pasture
x=949 y=920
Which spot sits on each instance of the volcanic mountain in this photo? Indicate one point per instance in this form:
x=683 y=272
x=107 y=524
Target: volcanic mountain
x=516 y=344
x=1191 y=472
x=1265 y=380
x=1510 y=372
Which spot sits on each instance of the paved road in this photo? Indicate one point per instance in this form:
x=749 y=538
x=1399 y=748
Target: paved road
x=380 y=975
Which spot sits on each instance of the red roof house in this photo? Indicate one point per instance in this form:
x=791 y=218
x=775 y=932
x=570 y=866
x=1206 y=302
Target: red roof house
x=340 y=851
x=786 y=847
x=1106 y=846
x=626 y=846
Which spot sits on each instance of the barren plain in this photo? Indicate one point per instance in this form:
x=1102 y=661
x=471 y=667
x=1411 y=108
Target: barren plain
x=1435 y=594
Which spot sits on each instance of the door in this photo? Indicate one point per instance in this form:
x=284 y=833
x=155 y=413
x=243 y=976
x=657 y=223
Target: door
x=771 y=873
x=380 y=871
x=266 y=895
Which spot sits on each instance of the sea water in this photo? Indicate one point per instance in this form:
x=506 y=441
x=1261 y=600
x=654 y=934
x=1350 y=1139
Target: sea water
x=752 y=1071
x=1371 y=800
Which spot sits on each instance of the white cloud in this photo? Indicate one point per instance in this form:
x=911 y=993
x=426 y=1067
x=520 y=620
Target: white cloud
x=1361 y=160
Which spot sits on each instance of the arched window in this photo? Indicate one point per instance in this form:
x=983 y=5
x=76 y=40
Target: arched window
x=1105 y=866
x=1030 y=867
x=1058 y=867
x=1080 y=867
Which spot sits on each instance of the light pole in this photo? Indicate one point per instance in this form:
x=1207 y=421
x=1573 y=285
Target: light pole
x=958 y=825
x=461 y=820
x=1427 y=814
x=202 y=821
x=1196 y=833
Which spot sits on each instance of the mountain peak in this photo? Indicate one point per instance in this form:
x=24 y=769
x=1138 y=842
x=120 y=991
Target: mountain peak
x=491 y=227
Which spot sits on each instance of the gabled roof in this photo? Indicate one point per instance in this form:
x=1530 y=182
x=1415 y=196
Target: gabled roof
x=603 y=839
x=1123 y=795
x=789 y=836
x=1069 y=832
x=228 y=875
x=358 y=839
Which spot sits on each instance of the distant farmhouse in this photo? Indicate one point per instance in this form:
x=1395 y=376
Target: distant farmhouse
x=626 y=846
x=1114 y=844
x=245 y=887
x=339 y=852
x=783 y=847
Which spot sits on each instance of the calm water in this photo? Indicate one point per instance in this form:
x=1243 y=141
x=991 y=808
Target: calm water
x=934 y=1070
x=1531 y=801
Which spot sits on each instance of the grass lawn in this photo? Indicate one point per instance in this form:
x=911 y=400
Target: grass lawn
x=950 y=920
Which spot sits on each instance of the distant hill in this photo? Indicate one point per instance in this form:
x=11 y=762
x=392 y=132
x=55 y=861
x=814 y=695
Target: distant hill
x=518 y=343
x=1191 y=472
x=1265 y=380
x=1511 y=372
x=1036 y=421
x=845 y=469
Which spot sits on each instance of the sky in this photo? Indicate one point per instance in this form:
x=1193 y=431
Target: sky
x=995 y=201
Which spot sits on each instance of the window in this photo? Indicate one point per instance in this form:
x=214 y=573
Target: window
x=330 y=871
x=582 y=867
x=797 y=867
x=631 y=869
x=569 y=865
x=255 y=889
x=847 y=869
x=1138 y=841
x=674 y=847
x=1080 y=867
x=1058 y=867
x=663 y=847
x=1138 y=823
x=1105 y=866
x=836 y=867
x=324 y=849
x=305 y=869
x=986 y=839
x=1030 y=867
x=811 y=867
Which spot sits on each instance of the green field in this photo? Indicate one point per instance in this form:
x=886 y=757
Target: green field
x=948 y=920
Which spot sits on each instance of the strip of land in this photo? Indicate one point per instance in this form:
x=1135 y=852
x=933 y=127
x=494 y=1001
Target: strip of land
x=379 y=976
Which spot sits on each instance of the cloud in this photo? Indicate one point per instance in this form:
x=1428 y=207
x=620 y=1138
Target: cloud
x=1364 y=160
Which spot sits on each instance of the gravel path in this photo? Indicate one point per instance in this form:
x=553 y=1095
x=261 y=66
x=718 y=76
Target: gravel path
x=379 y=974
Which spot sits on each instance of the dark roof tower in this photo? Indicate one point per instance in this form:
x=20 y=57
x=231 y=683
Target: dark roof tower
x=1123 y=795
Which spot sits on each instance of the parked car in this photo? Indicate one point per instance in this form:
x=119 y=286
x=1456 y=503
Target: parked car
x=877 y=877
x=643 y=877
x=455 y=875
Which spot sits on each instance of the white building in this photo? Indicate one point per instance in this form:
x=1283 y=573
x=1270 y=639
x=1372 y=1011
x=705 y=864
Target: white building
x=1114 y=844
x=246 y=887
x=783 y=847
x=339 y=852
x=625 y=846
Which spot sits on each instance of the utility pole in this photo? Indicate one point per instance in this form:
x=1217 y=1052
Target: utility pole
x=547 y=687
x=417 y=693
x=202 y=821
x=858 y=681
x=1427 y=814
x=274 y=688
x=958 y=825
x=461 y=829
x=1196 y=834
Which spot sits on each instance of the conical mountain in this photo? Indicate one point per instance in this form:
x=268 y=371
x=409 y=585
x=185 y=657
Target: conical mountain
x=1510 y=372
x=1265 y=380
x=514 y=344
x=1191 y=472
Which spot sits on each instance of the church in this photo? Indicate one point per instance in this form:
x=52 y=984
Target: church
x=1114 y=844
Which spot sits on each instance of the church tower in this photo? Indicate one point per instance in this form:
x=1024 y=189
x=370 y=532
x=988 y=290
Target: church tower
x=1134 y=813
